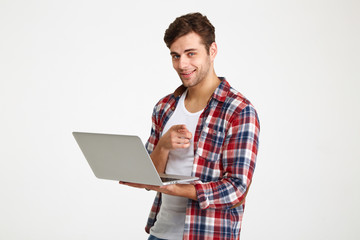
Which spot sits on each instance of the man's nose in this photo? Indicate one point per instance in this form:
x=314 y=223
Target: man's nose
x=183 y=62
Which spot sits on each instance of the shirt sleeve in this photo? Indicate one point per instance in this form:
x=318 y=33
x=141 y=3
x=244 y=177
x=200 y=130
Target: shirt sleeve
x=154 y=135
x=238 y=160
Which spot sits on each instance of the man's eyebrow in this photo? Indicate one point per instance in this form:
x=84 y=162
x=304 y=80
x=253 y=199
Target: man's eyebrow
x=187 y=50
x=191 y=50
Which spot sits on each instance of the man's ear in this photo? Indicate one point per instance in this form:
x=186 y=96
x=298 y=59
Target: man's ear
x=213 y=51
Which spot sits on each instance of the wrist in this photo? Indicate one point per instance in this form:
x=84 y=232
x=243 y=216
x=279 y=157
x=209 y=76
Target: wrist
x=186 y=190
x=161 y=148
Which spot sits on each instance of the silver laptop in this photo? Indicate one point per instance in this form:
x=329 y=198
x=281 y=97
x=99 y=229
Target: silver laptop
x=122 y=158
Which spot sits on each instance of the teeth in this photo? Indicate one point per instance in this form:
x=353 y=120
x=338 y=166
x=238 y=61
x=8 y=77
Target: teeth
x=188 y=73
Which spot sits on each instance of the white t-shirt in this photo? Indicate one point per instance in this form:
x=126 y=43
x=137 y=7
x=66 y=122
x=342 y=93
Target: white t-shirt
x=171 y=217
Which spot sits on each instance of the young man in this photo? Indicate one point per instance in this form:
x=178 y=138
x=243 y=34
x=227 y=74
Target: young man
x=204 y=129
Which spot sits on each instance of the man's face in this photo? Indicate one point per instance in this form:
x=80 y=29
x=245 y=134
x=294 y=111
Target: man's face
x=190 y=59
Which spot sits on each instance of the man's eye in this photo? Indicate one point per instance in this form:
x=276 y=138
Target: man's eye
x=191 y=54
x=176 y=56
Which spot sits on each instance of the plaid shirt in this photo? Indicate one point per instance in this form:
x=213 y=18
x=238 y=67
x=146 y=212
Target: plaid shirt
x=225 y=149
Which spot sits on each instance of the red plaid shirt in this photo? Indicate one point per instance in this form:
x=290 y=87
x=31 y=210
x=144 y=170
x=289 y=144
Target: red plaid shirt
x=225 y=149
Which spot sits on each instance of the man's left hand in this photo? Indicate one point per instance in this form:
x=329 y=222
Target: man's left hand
x=182 y=190
x=167 y=189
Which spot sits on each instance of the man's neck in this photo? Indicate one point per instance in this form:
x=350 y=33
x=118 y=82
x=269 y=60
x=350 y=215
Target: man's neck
x=199 y=95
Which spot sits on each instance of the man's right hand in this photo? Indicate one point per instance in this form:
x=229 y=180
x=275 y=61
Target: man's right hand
x=178 y=136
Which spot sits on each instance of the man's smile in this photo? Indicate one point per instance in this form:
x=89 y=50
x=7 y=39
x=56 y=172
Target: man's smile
x=187 y=74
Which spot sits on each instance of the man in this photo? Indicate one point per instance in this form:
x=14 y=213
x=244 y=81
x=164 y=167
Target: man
x=204 y=129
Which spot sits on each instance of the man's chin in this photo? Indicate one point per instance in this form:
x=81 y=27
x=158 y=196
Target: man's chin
x=189 y=84
x=186 y=83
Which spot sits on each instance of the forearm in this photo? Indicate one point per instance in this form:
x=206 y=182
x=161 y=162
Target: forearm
x=186 y=190
x=159 y=157
x=189 y=191
x=178 y=136
x=225 y=193
x=180 y=190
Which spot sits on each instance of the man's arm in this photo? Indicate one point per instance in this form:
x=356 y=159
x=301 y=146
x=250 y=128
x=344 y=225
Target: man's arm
x=178 y=136
x=240 y=149
x=238 y=160
x=181 y=190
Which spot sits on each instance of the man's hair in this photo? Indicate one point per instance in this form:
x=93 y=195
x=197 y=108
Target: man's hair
x=192 y=22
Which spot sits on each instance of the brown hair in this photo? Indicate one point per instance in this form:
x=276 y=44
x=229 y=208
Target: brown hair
x=192 y=22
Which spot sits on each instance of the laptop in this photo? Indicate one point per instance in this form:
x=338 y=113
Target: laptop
x=122 y=158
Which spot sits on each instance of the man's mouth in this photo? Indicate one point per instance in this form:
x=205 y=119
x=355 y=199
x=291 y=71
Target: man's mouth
x=187 y=74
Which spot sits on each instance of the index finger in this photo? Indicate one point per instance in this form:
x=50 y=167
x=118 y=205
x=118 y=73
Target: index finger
x=179 y=127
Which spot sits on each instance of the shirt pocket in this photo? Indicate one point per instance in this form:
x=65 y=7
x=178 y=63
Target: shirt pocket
x=210 y=145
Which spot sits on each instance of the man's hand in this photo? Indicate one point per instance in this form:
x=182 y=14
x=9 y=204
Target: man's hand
x=182 y=190
x=178 y=136
x=167 y=189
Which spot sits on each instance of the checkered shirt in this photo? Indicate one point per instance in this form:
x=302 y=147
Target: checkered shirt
x=225 y=149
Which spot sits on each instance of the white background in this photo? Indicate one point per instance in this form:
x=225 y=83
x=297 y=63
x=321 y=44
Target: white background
x=100 y=66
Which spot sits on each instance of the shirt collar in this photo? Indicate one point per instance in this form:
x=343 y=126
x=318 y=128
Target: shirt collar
x=222 y=90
